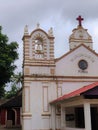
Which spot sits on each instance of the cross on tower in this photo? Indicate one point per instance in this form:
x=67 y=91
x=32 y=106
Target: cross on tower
x=80 y=20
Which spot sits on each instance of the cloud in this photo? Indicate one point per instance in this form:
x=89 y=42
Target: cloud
x=60 y=14
x=15 y=14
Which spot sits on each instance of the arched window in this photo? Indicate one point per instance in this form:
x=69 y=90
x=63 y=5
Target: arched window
x=39 y=47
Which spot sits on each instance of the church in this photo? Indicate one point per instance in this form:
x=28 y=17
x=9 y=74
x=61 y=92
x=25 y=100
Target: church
x=59 y=93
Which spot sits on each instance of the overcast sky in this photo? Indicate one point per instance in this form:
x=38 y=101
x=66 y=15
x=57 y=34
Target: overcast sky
x=59 y=14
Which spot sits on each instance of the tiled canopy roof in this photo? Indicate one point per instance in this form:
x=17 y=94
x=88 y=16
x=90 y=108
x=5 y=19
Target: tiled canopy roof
x=15 y=101
x=76 y=92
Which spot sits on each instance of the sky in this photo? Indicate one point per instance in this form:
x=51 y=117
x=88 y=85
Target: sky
x=59 y=14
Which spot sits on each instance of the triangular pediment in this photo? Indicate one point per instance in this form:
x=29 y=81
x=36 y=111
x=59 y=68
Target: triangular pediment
x=68 y=64
x=92 y=51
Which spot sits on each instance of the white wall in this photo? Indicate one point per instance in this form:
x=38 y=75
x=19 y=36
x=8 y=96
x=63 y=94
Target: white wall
x=68 y=65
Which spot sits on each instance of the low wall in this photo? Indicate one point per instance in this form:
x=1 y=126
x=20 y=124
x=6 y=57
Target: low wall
x=67 y=128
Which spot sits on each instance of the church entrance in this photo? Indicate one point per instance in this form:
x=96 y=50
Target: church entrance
x=94 y=118
x=79 y=112
x=75 y=117
x=79 y=122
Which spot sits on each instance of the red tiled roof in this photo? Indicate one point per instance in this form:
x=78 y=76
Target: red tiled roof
x=76 y=92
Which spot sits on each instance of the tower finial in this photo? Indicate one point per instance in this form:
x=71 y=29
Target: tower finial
x=50 y=32
x=80 y=19
x=38 y=25
x=26 y=29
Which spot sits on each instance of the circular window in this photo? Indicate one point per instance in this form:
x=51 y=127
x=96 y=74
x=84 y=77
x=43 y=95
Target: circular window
x=83 y=64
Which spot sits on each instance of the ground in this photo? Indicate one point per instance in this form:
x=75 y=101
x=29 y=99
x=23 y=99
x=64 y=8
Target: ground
x=3 y=128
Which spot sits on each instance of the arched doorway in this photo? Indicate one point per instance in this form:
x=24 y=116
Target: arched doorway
x=11 y=116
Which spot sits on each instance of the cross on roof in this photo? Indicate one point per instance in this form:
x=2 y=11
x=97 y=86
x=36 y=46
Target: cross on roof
x=80 y=19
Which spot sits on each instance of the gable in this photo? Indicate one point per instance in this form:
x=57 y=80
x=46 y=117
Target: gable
x=68 y=64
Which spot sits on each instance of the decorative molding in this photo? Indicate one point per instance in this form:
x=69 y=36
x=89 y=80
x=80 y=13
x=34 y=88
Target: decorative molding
x=45 y=114
x=26 y=114
x=26 y=71
x=45 y=99
x=83 y=55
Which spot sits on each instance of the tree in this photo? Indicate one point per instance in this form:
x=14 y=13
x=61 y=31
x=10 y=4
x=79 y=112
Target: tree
x=17 y=79
x=15 y=84
x=12 y=92
x=8 y=55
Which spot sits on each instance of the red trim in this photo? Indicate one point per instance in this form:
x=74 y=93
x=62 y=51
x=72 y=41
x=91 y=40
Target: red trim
x=76 y=92
x=18 y=116
x=2 y=116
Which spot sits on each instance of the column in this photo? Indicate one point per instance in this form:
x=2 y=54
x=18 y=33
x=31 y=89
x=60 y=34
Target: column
x=87 y=116
x=53 y=118
x=63 y=123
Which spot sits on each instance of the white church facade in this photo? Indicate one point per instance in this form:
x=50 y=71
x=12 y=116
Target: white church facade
x=59 y=93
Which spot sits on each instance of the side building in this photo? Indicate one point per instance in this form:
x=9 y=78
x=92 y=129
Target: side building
x=10 y=111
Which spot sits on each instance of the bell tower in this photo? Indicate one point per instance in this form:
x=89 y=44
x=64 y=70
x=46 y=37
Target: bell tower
x=38 y=66
x=80 y=36
x=38 y=51
x=38 y=46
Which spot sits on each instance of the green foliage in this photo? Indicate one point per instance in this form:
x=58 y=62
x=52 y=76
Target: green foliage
x=16 y=84
x=17 y=79
x=8 y=54
x=12 y=92
x=2 y=91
